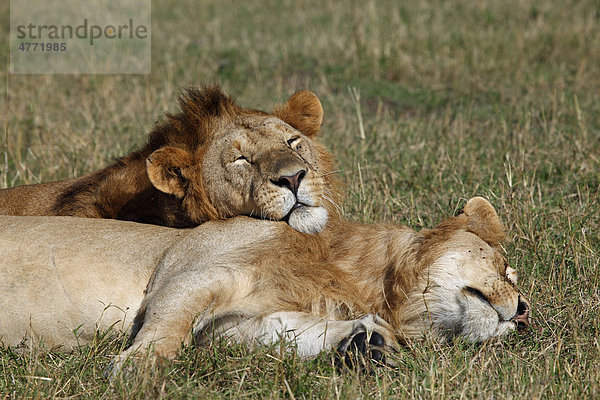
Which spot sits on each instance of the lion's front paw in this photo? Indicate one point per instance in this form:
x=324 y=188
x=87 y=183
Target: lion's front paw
x=370 y=342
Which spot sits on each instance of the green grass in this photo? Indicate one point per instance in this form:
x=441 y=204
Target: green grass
x=500 y=99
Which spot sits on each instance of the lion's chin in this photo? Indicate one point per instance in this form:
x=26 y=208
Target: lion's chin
x=307 y=219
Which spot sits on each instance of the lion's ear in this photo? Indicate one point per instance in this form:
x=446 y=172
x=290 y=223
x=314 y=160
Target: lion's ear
x=483 y=221
x=303 y=111
x=165 y=168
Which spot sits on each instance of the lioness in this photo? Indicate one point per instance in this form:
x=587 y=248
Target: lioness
x=212 y=160
x=253 y=280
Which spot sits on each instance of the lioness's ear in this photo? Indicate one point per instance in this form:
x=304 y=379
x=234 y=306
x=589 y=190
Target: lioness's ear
x=483 y=221
x=165 y=167
x=303 y=111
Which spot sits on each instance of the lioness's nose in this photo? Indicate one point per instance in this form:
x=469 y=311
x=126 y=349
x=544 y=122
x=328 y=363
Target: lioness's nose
x=522 y=316
x=292 y=182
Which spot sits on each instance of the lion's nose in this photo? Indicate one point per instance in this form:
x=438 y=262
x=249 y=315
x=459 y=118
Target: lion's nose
x=292 y=182
x=522 y=316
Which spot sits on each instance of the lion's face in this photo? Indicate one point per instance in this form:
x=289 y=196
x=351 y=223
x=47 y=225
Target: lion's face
x=252 y=163
x=263 y=167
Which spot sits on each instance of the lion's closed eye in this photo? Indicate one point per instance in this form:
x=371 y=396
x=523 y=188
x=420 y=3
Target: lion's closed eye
x=242 y=160
x=476 y=293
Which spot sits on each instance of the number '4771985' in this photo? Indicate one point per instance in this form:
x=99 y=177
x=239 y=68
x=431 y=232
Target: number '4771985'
x=42 y=46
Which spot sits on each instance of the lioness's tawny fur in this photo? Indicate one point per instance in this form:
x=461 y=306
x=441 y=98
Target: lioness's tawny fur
x=253 y=280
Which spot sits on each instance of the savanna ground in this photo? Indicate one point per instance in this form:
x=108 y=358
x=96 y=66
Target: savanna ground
x=462 y=98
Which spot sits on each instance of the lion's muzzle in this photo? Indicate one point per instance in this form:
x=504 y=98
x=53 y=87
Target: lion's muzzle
x=292 y=182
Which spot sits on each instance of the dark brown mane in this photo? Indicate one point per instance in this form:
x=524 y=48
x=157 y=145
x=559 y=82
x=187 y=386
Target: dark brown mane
x=200 y=111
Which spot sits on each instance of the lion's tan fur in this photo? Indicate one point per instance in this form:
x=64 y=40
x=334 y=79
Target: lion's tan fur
x=237 y=276
x=169 y=181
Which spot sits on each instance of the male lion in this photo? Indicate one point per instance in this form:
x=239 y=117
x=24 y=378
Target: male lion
x=211 y=161
x=256 y=281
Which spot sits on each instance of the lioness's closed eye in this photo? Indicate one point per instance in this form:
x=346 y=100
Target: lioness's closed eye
x=212 y=160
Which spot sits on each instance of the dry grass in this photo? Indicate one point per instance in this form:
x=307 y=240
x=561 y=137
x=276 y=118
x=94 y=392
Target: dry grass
x=457 y=98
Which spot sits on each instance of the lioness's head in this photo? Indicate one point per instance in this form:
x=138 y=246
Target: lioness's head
x=467 y=288
x=234 y=161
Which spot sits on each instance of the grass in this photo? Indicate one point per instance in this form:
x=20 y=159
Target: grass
x=458 y=98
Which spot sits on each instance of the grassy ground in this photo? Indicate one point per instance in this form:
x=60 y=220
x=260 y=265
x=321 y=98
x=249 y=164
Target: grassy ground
x=500 y=99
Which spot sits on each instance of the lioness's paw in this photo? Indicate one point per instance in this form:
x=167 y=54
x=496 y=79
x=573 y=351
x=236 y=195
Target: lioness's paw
x=370 y=342
x=359 y=350
x=120 y=364
x=130 y=362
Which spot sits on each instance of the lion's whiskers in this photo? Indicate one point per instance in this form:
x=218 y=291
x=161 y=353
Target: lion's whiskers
x=327 y=196
x=330 y=173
